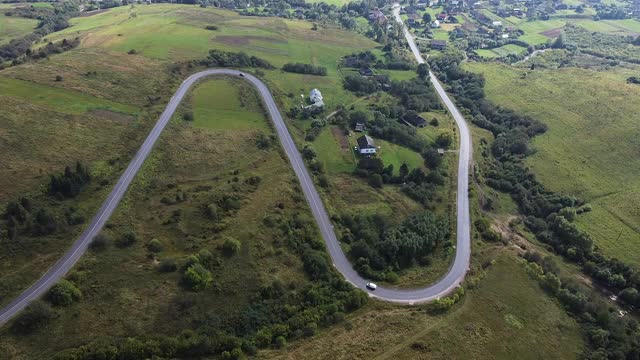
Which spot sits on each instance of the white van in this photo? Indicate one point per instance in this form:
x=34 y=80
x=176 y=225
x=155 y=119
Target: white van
x=372 y=286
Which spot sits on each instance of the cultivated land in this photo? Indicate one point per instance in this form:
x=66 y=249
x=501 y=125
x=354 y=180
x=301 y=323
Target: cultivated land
x=591 y=148
x=507 y=313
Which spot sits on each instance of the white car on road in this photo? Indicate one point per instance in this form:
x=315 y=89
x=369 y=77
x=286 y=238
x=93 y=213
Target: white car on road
x=372 y=286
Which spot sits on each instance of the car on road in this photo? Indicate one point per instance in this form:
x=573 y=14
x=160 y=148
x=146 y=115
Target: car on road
x=372 y=286
x=241 y=74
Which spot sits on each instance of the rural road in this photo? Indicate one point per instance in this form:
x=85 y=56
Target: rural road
x=340 y=261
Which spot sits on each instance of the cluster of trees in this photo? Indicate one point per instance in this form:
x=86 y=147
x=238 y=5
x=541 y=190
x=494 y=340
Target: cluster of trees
x=367 y=59
x=361 y=85
x=380 y=247
x=611 y=13
x=549 y=215
x=316 y=128
x=219 y=58
x=50 y=20
x=53 y=48
x=610 y=336
x=301 y=68
x=416 y=94
x=70 y=183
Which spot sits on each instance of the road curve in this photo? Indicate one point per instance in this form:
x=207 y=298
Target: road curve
x=340 y=261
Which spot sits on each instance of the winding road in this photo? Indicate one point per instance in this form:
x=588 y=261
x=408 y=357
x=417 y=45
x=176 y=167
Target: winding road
x=445 y=285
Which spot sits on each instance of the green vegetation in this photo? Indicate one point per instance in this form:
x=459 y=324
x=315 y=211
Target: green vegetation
x=502 y=51
x=15 y=27
x=505 y=313
x=596 y=119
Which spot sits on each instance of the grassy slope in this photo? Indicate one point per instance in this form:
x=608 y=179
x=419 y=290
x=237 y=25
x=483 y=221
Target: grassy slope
x=507 y=314
x=591 y=149
x=200 y=161
x=12 y=27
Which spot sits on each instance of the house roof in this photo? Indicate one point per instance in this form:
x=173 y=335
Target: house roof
x=366 y=142
x=439 y=42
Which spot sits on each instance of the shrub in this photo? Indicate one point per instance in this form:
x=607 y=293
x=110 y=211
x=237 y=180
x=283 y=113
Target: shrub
x=231 y=246
x=168 y=265
x=100 y=242
x=63 y=293
x=132 y=52
x=305 y=69
x=211 y=27
x=127 y=239
x=188 y=116
x=280 y=342
x=59 y=78
x=34 y=317
x=197 y=278
x=155 y=246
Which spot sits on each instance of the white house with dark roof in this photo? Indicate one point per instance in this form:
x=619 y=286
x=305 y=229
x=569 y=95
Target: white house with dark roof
x=366 y=145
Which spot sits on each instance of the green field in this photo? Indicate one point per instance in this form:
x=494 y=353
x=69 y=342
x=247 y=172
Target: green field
x=396 y=155
x=619 y=27
x=215 y=109
x=591 y=147
x=12 y=27
x=501 y=51
x=506 y=314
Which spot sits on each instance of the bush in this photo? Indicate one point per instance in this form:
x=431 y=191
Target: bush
x=59 y=78
x=211 y=27
x=132 y=52
x=64 y=293
x=231 y=246
x=188 y=116
x=280 y=342
x=168 y=265
x=155 y=246
x=100 y=242
x=127 y=240
x=197 y=278
x=32 y=318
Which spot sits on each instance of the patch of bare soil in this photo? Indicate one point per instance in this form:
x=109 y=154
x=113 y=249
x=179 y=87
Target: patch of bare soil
x=553 y=33
x=341 y=137
x=112 y=115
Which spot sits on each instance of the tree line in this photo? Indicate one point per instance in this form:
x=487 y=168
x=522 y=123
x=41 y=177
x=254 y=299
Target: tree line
x=219 y=58
x=301 y=68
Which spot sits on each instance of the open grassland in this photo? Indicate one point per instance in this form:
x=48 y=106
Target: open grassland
x=12 y=27
x=396 y=155
x=215 y=109
x=335 y=150
x=506 y=314
x=501 y=51
x=203 y=164
x=591 y=149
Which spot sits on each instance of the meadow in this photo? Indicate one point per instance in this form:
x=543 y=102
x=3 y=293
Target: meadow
x=204 y=163
x=591 y=147
x=506 y=313
x=501 y=51
x=12 y=27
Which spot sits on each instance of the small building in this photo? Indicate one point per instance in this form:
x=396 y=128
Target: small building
x=442 y=17
x=378 y=17
x=412 y=118
x=441 y=152
x=435 y=24
x=439 y=44
x=366 y=71
x=496 y=24
x=366 y=145
x=315 y=95
x=455 y=2
x=359 y=127
x=504 y=36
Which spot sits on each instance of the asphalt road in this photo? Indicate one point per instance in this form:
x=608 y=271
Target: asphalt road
x=442 y=287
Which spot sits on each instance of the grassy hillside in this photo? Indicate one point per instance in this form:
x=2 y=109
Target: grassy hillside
x=506 y=314
x=591 y=148
x=12 y=27
x=192 y=167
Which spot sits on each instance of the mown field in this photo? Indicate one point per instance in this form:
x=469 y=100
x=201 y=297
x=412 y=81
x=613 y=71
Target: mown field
x=591 y=148
x=506 y=314
x=501 y=51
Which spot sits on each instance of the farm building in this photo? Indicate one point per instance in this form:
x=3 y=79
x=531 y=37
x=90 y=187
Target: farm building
x=412 y=118
x=366 y=145
x=439 y=44
x=435 y=24
x=359 y=127
x=366 y=71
